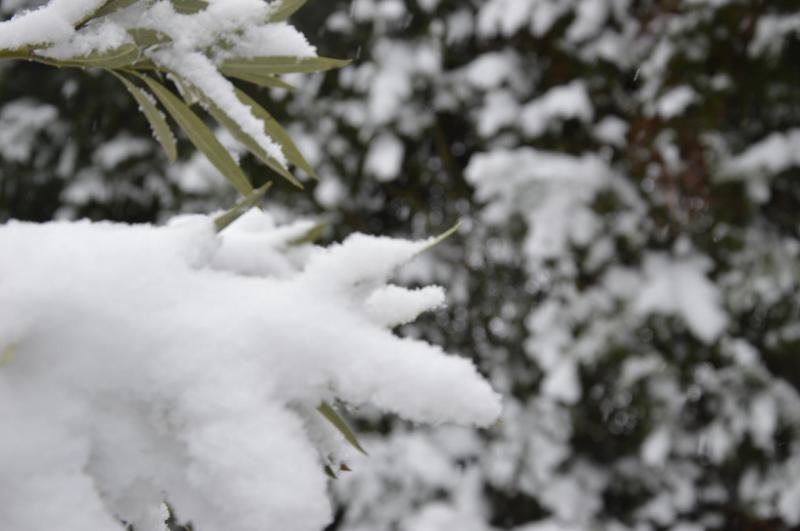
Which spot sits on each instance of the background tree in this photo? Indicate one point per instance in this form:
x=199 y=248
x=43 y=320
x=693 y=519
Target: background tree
x=626 y=271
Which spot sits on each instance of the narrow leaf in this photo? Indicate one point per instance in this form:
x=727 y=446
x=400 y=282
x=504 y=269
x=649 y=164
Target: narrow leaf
x=241 y=207
x=119 y=57
x=146 y=37
x=111 y=7
x=283 y=9
x=158 y=123
x=442 y=237
x=278 y=133
x=312 y=235
x=238 y=133
x=189 y=7
x=280 y=64
x=201 y=136
x=329 y=472
x=262 y=80
x=340 y=424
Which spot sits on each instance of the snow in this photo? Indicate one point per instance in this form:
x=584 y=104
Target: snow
x=681 y=287
x=120 y=149
x=611 y=130
x=47 y=24
x=771 y=33
x=675 y=102
x=500 y=109
x=385 y=157
x=555 y=183
x=569 y=101
x=20 y=122
x=767 y=157
x=490 y=70
x=504 y=16
x=173 y=364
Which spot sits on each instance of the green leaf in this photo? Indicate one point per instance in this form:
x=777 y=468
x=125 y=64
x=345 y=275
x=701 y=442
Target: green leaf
x=18 y=53
x=278 y=133
x=280 y=64
x=340 y=424
x=158 y=123
x=8 y=354
x=189 y=7
x=111 y=7
x=329 y=472
x=283 y=9
x=262 y=80
x=201 y=136
x=440 y=238
x=238 y=133
x=312 y=235
x=146 y=37
x=241 y=207
x=119 y=57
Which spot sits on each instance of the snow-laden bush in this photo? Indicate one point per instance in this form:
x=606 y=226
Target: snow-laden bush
x=150 y=364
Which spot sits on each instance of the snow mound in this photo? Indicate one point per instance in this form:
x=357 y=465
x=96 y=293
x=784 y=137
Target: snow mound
x=145 y=365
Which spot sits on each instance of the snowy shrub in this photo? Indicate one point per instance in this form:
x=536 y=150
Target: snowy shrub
x=155 y=364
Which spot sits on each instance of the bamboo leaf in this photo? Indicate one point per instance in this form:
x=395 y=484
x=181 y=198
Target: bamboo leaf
x=146 y=37
x=440 y=238
x=262 y=80
x=238 y=133
x=329 y=472
x=119 y=57
x=158 y=123
x=280 y=64
x=111 y=7
x=278 y=133
x=340 y=424
x=189 y=7
x=201 y=136
x=283 y=9
x=312 y=235
x=241 y=207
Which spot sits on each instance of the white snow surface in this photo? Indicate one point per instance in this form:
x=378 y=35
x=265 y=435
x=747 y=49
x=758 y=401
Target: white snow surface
x=174 y=364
